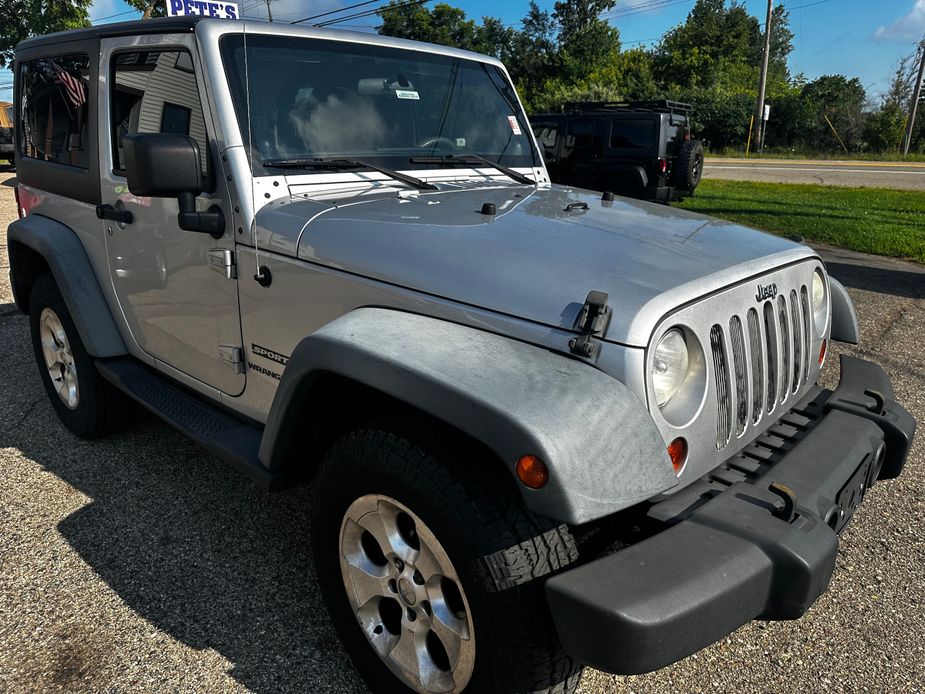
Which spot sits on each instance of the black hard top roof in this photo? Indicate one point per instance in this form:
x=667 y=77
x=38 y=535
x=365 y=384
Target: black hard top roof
x=137 y=27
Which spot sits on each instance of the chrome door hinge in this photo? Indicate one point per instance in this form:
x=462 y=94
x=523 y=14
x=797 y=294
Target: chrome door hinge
x=232 y=357
x=222 y=261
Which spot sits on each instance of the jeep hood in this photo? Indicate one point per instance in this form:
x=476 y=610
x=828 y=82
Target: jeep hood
x=537 y=258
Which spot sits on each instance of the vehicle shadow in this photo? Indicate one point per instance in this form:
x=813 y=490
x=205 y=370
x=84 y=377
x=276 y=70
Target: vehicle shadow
x=188 y=544
x=892 y=280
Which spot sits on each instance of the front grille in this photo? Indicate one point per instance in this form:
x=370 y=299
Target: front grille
x=757 y=374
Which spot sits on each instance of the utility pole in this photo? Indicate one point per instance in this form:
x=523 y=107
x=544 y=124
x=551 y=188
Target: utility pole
x=763 y=81
x=915 y=99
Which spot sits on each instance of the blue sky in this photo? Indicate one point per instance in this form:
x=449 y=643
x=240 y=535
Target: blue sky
x=857 y=38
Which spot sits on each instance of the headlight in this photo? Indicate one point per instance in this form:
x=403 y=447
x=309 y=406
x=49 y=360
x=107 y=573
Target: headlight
x=820 y=306
x=669 y=368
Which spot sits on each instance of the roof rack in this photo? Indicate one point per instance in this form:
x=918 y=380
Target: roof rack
x=660 y=106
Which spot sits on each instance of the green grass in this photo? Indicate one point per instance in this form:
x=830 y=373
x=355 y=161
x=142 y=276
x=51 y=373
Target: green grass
x=869 y=220
x=833 y=155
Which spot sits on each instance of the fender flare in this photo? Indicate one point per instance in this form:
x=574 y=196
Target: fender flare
x=845 y=326
x=602 y=448
x=68 y=261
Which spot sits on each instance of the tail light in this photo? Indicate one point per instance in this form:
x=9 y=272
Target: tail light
x=663 y=165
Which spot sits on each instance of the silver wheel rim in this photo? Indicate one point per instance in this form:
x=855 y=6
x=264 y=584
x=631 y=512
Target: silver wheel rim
x=59 y=360
x=406 y=595
x=161 y=267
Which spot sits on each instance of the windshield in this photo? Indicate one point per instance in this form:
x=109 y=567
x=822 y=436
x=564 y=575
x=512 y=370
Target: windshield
x=313 y=98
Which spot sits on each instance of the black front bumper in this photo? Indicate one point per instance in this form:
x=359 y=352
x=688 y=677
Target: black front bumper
x=757 y=538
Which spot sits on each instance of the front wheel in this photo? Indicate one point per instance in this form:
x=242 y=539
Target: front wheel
x=84 y=401
x=427 y=560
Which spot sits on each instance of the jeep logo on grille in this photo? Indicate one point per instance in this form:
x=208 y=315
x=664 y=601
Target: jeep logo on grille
x=766 y=292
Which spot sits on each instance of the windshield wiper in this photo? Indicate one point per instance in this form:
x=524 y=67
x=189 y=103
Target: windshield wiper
x=349 y=164
x=469 y=159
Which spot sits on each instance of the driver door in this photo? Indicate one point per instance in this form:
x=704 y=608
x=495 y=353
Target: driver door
x=182 y=309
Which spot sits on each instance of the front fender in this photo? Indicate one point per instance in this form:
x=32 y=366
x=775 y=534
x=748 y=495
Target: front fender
x=603 y=451
x=69 y=264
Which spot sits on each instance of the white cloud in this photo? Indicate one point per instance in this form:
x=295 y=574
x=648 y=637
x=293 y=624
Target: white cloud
x=906 y=29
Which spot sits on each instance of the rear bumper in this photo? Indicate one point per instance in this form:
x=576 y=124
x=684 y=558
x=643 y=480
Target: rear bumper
x=758 y=539
x=6 y=150
x=660 y=194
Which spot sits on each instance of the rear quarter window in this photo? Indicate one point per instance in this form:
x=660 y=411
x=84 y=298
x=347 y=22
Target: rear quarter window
x=54 y=119
x=632 y=134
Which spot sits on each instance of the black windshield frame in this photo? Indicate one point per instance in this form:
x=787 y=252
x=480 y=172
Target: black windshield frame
x=522 y=154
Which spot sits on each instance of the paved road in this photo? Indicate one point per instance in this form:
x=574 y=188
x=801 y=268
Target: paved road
x=852 y=174
x=143 y=564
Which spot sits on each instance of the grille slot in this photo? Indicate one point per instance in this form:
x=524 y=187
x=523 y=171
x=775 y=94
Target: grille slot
x=770 y=339
x=806 y=334
x=757 y=372
x=723 y=399
x=797 y=341
x=757 y=356
x=784 y=346
x=738 y=361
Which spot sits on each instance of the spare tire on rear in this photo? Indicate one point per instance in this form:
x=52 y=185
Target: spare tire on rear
x=689 y=166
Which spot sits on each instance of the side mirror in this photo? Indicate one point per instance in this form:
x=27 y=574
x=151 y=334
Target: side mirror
x=162 y=165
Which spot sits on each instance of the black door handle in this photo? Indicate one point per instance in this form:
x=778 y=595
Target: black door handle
x=111 y=213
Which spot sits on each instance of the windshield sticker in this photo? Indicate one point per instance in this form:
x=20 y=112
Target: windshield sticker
x=460 y=142
x=405 y=94
x=219 y=10
x=515 y=126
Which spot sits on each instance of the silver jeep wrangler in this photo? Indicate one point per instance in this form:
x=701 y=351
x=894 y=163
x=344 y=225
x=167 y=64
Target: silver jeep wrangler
x=547 y=428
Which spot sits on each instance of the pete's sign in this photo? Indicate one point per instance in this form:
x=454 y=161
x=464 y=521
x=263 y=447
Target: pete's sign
x=219 y=10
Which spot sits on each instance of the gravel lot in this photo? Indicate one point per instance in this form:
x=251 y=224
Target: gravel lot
x=143 y=564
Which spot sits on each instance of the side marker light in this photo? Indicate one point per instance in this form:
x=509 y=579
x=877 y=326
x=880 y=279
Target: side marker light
x=532 y=471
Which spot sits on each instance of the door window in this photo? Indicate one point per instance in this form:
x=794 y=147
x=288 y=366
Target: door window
x=55 y=109
x=545 y=133
x=582 y=140
x=155 y=92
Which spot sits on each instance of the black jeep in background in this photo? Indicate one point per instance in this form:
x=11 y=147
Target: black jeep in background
x=638 y=149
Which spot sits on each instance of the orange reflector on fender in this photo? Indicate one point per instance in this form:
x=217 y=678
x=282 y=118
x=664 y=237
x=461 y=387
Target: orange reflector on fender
x=532 y=471
x=677 y=451
x=822 y=353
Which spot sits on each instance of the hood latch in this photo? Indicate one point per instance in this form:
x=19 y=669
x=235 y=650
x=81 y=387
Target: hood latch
x=592 y=320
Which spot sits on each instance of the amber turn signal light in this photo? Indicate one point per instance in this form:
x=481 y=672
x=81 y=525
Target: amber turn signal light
x=822 y=352
x=532 y=471
x=677 y=451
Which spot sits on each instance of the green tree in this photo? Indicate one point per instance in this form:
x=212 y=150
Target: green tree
x=149 y=8
x=534 y=49
x=22 y=19
x=586 y=42
x=447 y=26
x=840 y=101
x=884 y=130
x=720 y=46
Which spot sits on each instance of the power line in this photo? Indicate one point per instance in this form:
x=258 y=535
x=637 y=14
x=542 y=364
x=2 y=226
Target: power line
x=342 y=9
x=116 y=15
x=370 y=13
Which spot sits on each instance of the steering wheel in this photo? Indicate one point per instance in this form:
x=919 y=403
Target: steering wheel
x=446 y=143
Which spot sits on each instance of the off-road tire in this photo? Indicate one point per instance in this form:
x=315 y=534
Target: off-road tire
x=689 y=166
x=471 y=505
x=101 y=409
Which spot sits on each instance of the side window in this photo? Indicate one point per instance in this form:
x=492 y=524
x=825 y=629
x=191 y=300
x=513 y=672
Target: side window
x=545 y=133
x=55 y=110
x=582 y=139
x=155 y=92
x=633 y=134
